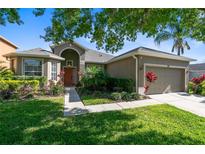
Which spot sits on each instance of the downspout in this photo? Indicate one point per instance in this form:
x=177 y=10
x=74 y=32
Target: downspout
x=136 y=73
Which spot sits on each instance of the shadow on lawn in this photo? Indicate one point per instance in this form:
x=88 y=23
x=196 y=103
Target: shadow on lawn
x=41 y=122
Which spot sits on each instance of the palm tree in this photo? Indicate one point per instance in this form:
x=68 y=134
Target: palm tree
x=175 y=33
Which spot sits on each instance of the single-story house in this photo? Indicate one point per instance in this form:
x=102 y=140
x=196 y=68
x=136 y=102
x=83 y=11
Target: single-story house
x=195 y=70
x=73 y=58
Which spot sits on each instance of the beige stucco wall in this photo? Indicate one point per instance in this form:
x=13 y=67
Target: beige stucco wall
x=65 y=46
x=142 y=60
x=125 y=68
x=4 y=49
x=19 y=66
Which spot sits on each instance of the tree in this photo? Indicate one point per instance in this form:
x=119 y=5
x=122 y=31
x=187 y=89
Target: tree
x=110 y=28
x=175 y=33
x=10 y=15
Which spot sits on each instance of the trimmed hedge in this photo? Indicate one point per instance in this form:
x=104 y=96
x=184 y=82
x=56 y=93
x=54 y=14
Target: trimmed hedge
x=42 y=80
x=18 y=88
x=120 y=83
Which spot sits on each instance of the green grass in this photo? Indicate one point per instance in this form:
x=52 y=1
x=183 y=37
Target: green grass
x=42 y=122
x=94 y=100
x=94 y=97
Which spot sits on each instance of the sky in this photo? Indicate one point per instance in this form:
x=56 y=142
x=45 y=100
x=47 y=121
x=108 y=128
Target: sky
x=27 y=36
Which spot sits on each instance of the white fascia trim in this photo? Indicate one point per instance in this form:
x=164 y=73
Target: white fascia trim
x=3 y=38
x=136 y=74
x=149 y=53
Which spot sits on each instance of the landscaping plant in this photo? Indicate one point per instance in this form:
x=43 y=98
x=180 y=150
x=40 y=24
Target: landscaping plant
x=197 y=85
x=120 y=84
x=42 y=79
x=18 y=88
x=150 y=77
x=94 y=78
x=5 y=73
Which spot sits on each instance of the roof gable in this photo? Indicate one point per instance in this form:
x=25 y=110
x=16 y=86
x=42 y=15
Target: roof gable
x=8 y=42
x=150 y=52
x=37 y=52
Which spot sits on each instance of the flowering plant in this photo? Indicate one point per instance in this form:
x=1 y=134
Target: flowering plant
x=198 y=80
x=150 y=77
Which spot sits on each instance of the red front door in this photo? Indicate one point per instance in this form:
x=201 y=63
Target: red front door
x=68 y=76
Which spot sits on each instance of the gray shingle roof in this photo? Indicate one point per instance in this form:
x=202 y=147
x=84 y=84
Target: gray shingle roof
x=150 y=52
x=200 y=66
x=93 y=56
x=37 y=52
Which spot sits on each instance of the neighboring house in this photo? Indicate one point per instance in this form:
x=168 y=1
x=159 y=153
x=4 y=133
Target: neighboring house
x=73 y=58
x=195 y=70
x=6 y=47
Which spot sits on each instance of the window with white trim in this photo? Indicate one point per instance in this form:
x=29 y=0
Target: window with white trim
x=53 y=71
x=32 y=67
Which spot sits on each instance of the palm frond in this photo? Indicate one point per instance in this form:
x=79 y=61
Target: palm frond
x=162 y=36
x=187 y=45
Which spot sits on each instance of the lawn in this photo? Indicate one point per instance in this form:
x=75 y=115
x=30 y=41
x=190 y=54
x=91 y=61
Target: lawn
x=42 y=122
x=94 y=100
x=94 y=97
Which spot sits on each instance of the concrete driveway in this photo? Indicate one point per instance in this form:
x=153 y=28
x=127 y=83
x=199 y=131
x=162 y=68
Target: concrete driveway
x=184 y=101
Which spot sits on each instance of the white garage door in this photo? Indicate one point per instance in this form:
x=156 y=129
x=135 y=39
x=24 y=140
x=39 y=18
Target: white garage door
x=169 y=80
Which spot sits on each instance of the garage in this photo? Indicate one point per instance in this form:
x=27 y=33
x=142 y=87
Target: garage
x=172 y=70
x=168 y=80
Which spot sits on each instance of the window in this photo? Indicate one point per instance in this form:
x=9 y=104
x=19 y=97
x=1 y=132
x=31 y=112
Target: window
x=69 y=63
x=32 y=67
x=53 y=71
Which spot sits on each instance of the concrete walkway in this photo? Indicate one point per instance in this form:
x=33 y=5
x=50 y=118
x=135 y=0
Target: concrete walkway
x=74 y=106
x=191 y=103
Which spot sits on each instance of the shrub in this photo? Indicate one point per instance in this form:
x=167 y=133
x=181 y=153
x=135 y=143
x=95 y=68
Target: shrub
x=198 y=80
x=42 y=80
x=197 y=85
x=127 y=97
x=135 y=96
x=119 y=83
x=5 y=73
x=191 y=87
x=116 y=96
x=56 y=88
x=94 y=78
x=203 y=88
x=123 y=94
x=84 y=91
x=21 y=88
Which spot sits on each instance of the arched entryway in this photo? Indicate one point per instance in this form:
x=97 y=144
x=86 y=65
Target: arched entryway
x=70 y=66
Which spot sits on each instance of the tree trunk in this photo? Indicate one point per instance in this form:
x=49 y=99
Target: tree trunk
x=178 y=53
